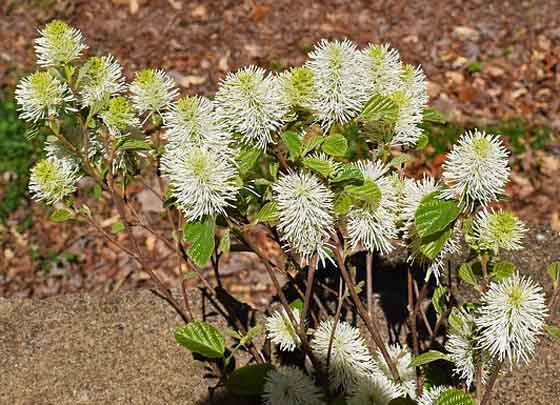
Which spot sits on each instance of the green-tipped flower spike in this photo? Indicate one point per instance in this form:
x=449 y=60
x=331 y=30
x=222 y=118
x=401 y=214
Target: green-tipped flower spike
x=431 y=395
x=192 y=121
x=476 y=169
x=350 y=360
x=100 y=78
x=305 y=209
x=53 y=179
x=372 y=225
x=373 y=389
x=288 y=385
x=119 y=116
x=461 y=346
x=41 y=95
x=250 y=102
x=411 y=98
x=58 y=44
x=511 y=318
x=280 y=330
x=401 y=357
x=339 y=93
x=298 y=87
x=152 y=91
x=203 y=182
x=382 y=68
x=498 y=230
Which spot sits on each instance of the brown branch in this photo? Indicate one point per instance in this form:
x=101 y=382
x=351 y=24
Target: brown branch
x=491 y=382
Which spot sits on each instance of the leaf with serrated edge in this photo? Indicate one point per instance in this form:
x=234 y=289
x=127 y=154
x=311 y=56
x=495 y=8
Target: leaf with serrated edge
x=335 y=145
x=201 y=338
x=428 y=357
x=433 y=215
x=201 y=236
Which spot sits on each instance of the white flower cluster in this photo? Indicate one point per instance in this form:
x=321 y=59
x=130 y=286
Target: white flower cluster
x=53 y=179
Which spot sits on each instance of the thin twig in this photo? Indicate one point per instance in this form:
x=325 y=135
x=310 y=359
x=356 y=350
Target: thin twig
x=312 y=268
x=491 y=382
x=369 y=282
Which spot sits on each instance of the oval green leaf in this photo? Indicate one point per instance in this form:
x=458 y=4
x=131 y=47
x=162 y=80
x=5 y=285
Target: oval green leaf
x=201 y=338
x=248 y=380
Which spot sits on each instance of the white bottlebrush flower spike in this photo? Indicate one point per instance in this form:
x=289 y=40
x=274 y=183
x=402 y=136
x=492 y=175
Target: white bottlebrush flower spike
x=498 y=230
x=152 y=91
x=58 y=44
x=203 y=181
x=41 y=95
x=462 y=350
x=192 y=121
x=401 y=357
x=382 y=68
x=298 y=87
x=411 y=99
x=476 y=169
x=350 y=359
x=373 y=225
x=119 y=116
x=305 y=212
x=373 y=389
x=251 y=103
x=53 y=179
x=339 y=92
x=511 y=318
x=430 y=395
x=281 y=331
x=100 y=78
x=290 y=386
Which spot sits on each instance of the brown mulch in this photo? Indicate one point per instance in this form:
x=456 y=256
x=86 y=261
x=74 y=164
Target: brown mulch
x=515 y=45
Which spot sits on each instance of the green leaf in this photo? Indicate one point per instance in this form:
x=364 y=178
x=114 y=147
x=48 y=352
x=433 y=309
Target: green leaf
x=312 y=141
x=97 y=191
x=453 y=396
x=321 y=166
x=293 y=144
x=134 y=144
x=117 y=227
x=428 y=357
x=380 y=108
x=553 y=271
x=438 y=298
x=297 y=304
x=348 y=173
x=455 y=320
x=342 y=204
x=335 y=145
x=466 y=274
x=431 y=245
x=422 y=141
x=368 y=192
x=247 y=158
x=433 y=215
x=502 y=270
x=201 y=236
x=249 y=380
x=61 y=215
x=433 y=116
x=225 y=242
x=202 y=338
x=553 y=331
x=268 y=212
x=400 y=160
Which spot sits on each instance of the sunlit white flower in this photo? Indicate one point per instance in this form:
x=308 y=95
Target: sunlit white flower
x=53 y=179
x=476 y=169
x=382 y=68
x=498 y=230
x=350 y=359
x=203 y=182
x=431 y=395
x=152 y=91
x=339 y=94
x=41 y=95
x=373 y=224
x=281 y=331
x=298 y=87
x=305 y=211
x=402 y=357
x=511 y=318
x=58 y=44
x=290 y=386
x=251 y=103
x=100 y=78
x=411 y=98
x=192 y=121
x=462 y=350
x=119 y=116
x=373 y=389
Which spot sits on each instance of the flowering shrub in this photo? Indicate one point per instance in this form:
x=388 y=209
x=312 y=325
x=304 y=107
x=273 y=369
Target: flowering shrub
x=315 y=156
